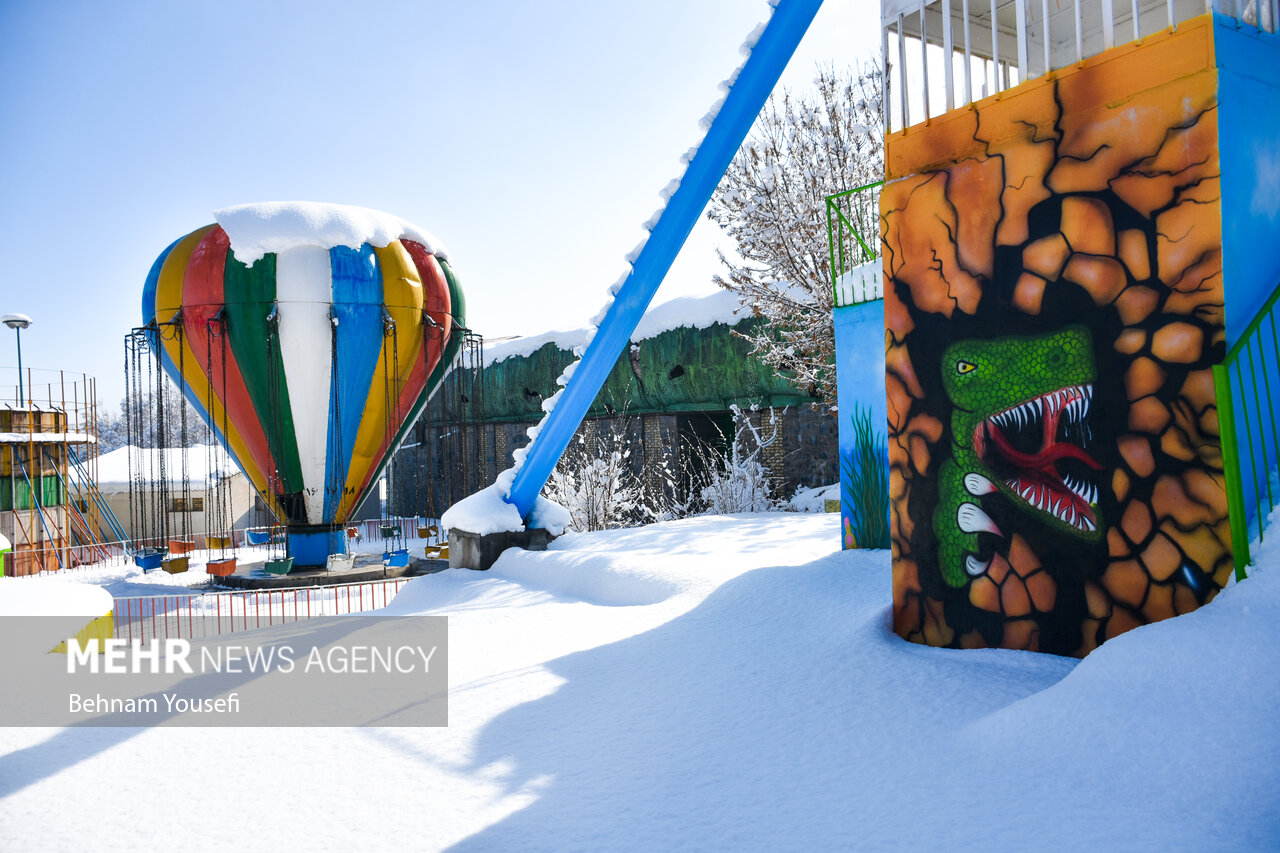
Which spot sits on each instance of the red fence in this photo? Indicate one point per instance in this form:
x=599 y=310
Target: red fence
x=195 y=615
x=25 y=562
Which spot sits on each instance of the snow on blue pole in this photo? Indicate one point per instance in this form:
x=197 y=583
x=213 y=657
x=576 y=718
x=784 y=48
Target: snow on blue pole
x=760 y=73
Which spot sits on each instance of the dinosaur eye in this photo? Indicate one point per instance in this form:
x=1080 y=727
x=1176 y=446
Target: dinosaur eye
x=965 y=367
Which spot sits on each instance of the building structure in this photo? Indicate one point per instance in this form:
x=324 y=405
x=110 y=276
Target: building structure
x=1075 y=226
x=50 y=510
x=675 y=386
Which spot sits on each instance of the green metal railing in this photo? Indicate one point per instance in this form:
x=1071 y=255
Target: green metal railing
x=1244 y=378
x=853 y=230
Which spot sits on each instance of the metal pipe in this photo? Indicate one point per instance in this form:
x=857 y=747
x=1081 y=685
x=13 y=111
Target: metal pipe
x=1020 y=10
x=18 y=331
x=902 y=69
x=1048 y=38
x=968 y=59
x=948 y=56
x=924 y=59
x=995 y=50
x=1079 y=36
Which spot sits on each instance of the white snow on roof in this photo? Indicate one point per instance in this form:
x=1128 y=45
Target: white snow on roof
x=696 y=312
x=277 y=226
x=46 y=438
x=114 y=471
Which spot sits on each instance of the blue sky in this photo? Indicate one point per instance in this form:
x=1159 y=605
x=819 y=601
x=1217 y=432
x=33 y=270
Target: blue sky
x=531 y=138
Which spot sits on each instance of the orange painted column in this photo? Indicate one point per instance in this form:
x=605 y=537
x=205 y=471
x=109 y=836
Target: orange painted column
x=1053 y=305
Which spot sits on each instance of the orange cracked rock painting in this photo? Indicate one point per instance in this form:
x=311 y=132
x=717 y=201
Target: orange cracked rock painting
x=1054 y=304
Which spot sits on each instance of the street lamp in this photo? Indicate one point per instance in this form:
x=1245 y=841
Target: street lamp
x=17 y=322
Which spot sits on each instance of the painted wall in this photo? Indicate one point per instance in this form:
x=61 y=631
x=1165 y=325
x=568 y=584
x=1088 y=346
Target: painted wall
x=864 y=460
x=1249 y=126
x=1053 y=304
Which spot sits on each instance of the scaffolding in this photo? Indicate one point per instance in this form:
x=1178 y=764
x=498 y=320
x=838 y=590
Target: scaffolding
x=50 y=507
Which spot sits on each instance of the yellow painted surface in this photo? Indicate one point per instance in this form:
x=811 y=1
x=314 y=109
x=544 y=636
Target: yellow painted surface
x=402 y=292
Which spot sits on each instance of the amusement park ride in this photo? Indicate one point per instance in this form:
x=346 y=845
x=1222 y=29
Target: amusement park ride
x=310 y=356
x=1088 y=203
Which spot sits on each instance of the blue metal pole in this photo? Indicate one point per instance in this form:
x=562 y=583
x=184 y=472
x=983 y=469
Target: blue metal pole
x=756 y=80
x=18 y=331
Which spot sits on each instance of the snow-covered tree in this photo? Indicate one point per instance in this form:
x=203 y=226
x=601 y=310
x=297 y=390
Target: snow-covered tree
x=597 y=481
x=142 y=417
x=772 y=202
x=739 y=482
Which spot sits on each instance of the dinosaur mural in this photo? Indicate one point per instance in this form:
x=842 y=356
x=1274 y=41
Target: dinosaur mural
x=1019 y=426
x=1053 y=306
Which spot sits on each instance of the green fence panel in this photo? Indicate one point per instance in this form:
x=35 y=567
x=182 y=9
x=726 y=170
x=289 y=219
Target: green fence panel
x=1250 y=432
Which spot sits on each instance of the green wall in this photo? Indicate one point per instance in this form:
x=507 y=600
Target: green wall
x=713 y=369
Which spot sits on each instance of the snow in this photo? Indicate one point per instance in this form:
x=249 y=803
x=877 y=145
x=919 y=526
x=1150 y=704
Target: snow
x=114 y=471
x=488 y=512
x=46 y=438
x=697 y=312
x=720 y=683
x=863 y=283
x=526 y=346
x=813 y=499
x=278 y=226
x=47 y=596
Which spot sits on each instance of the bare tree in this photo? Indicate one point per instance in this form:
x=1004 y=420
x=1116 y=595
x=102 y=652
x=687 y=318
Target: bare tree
x=772 y=202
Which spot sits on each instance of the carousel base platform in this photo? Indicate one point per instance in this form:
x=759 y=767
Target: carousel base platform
x=367 y=567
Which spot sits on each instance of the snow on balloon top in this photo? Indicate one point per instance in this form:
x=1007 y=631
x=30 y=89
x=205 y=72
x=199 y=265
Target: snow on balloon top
x=278 y=226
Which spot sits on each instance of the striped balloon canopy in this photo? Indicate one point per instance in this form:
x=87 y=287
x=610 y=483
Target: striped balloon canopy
x=309 y=363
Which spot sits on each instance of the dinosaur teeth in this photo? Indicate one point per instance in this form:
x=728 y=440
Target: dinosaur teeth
x=1071 y=403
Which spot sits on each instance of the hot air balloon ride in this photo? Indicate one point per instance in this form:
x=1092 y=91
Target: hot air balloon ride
x=309 y=337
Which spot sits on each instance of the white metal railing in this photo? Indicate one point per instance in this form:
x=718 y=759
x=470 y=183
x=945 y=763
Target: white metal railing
x=944 y=54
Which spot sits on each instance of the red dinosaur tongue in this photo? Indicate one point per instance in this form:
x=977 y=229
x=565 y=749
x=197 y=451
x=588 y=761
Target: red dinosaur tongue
x=1037 y=479
x=1044 y=459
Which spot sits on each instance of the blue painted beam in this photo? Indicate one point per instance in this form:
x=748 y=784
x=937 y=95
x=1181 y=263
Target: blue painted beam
x=755 y=81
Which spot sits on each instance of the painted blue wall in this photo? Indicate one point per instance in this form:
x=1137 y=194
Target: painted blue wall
x=860 y=388
x=1249 y=153
x=1248 y=63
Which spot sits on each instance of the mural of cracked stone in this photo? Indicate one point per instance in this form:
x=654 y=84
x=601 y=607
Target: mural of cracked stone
x=1053 y=306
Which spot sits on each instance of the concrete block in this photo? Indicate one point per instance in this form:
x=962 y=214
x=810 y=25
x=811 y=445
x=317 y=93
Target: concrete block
x=475 y=551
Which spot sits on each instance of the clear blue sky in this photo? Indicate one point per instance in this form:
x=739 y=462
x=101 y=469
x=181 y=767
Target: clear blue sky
x=531 y=138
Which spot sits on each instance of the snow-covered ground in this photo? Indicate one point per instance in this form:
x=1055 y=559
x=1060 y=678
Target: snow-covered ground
x=715 y=683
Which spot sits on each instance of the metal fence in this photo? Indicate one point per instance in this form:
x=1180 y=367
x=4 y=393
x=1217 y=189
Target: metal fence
x=209 y=614
x=979 y=48
x=1249 y=428
x=853 y=238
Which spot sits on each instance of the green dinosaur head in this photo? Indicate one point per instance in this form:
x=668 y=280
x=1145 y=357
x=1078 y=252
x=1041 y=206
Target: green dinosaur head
x=1021 y=420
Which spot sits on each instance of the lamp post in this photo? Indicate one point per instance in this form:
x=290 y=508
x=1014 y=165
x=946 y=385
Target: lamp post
x=17 y=322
